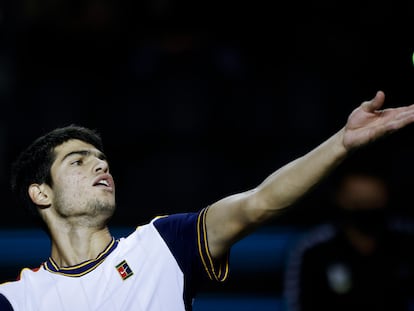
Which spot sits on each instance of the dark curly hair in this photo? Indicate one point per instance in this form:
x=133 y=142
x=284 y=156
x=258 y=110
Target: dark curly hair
x=34 y=163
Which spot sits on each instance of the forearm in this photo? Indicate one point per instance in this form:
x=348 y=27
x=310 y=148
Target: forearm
x=292 y=181
x=235 y=216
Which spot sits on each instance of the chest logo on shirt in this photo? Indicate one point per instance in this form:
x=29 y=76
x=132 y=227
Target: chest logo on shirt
x=124 y=270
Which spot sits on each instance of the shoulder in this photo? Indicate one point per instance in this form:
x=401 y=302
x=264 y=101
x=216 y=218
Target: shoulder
x=179 y=218
x=172 y=228
x=168 y=229
x=14 y=293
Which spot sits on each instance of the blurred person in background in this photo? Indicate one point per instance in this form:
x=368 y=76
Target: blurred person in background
x=363 y=259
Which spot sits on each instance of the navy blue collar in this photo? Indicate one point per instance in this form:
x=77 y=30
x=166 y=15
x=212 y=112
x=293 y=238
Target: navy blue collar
x=84 y=267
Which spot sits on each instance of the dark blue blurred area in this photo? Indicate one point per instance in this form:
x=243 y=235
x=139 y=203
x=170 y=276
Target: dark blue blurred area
x=199 y=100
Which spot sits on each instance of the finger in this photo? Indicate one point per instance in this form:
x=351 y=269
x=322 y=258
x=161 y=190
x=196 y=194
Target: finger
x=375 y=103
x=404 y=118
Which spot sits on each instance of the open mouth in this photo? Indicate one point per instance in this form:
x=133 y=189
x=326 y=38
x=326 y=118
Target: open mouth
x=104 y=181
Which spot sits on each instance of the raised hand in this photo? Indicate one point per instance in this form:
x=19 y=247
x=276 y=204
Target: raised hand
x=368 y=122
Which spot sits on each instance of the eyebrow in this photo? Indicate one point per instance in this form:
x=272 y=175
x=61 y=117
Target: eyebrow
x=98 y=154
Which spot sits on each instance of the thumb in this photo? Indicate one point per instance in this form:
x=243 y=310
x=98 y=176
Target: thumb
x=375 y=103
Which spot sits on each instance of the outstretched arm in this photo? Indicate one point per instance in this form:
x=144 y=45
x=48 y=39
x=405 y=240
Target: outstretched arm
x=233 y=217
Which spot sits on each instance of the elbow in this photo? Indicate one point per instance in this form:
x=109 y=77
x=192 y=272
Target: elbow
x=259 y=208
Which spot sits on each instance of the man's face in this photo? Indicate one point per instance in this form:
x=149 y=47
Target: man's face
x=363 y=201
x=82 y=184
x=360 y=192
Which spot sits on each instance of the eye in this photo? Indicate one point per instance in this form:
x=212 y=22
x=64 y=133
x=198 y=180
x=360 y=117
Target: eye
x=77 y=162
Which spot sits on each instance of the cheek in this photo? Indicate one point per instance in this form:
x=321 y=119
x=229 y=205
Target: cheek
x=76 y=181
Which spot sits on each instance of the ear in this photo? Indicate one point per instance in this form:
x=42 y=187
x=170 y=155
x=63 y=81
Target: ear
x=40 y=194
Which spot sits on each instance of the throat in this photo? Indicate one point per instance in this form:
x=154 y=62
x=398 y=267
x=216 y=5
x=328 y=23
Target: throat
x=83 y=267
x=73 y=248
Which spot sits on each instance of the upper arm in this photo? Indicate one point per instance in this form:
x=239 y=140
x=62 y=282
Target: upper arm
x=231 y=218
x=184 y=235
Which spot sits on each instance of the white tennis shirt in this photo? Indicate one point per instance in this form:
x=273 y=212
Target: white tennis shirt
x=156 y=268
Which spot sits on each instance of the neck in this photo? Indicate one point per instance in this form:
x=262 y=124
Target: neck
x=72 y=246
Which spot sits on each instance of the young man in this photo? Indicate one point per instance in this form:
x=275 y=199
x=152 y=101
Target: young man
x=64 y=177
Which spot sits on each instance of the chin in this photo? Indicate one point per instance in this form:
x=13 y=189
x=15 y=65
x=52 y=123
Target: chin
x=102 y=207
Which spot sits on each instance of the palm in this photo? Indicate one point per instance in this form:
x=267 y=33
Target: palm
x=367 y=122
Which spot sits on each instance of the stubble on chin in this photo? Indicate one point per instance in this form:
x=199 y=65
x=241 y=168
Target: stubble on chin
x=95 y=209
x=103 y=208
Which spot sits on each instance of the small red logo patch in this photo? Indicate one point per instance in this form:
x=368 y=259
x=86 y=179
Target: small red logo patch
x=124 y=270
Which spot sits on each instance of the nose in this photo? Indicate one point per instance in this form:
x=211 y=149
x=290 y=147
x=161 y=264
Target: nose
x=101 y=166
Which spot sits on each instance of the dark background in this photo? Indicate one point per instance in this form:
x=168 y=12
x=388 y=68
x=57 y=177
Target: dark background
x=196 y=101
x=199 y=100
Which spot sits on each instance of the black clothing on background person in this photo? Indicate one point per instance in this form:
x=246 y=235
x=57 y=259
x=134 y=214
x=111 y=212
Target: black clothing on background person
x=362 y=259
x=328 y=273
